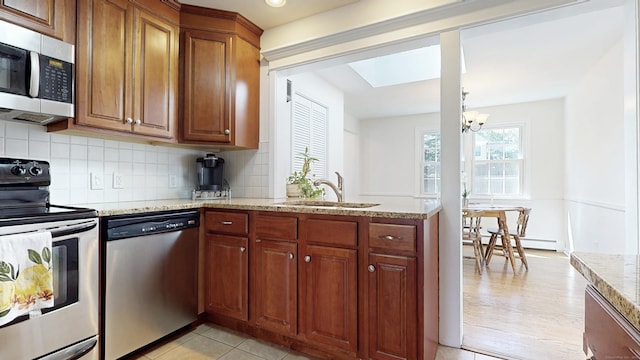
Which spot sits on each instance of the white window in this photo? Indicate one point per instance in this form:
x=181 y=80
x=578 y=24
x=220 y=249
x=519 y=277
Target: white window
x=498 y=161
x=309 y=129
x=431 y=163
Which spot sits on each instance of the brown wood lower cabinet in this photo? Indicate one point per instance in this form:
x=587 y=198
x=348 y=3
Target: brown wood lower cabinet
x=343 y=287
x=227 y=276
x=329 y=285
x=392 y=307
x=607 y=333
x=276 y=286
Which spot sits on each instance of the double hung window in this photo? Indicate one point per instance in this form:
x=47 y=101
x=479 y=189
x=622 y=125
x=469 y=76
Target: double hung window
x=498 y=161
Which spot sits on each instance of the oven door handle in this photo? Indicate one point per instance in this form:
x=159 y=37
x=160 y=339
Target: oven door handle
x=73 y=230
x=75 y=351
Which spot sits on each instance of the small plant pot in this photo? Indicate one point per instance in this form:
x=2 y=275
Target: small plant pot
x=294 y=191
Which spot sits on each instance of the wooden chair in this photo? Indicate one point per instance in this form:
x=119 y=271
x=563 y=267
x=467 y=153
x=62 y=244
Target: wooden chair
x=471 y=235
x=506 y=249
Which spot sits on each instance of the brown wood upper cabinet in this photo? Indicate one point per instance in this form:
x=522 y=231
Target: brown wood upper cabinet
x=127 y=69
x=55 y=18
x=220 y=78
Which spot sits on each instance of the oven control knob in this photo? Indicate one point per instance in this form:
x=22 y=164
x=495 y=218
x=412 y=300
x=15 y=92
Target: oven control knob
x=18 y=170
x=35 y=170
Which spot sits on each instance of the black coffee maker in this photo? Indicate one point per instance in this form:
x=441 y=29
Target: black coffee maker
x=210 y=173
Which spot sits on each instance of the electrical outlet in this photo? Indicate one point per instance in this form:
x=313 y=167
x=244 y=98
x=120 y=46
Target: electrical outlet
x=96 y=181
x=173 y=181
x=117 y=181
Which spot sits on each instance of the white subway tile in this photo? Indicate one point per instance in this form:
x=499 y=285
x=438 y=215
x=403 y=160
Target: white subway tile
x=39 y=150
x=38 y=133
x=78 y=151
x=18 y=148
x=16 y=130
x=59 y=138
x=59 y=150
x=95 y=142
x=95 y=153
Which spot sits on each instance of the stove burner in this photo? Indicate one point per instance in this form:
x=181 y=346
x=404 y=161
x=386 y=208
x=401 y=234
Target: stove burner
x=24 y=194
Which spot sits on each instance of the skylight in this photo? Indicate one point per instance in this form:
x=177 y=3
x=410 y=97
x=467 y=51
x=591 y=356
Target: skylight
x=402 y=68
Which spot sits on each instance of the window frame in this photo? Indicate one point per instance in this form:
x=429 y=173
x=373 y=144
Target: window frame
x=522 y=160
x=318 y=168
x=423 y=163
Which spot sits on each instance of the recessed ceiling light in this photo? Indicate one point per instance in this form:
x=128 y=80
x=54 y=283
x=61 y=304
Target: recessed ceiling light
x=275 y=3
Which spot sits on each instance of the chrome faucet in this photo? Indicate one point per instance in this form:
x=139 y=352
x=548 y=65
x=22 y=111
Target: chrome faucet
x=337 y=189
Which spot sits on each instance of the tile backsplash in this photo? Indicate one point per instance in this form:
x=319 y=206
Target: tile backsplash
x=84 y=169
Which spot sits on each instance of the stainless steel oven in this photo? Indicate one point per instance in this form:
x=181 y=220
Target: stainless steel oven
x=68 y=327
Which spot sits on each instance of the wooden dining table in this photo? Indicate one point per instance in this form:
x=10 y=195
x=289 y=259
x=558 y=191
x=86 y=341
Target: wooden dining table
x=499 y=212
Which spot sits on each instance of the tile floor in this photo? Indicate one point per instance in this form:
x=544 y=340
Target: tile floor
x=209 y=341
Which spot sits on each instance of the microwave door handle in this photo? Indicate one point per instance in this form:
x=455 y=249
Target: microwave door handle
x=34 y=82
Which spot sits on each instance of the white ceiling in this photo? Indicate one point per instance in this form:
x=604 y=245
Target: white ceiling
x=529 y=58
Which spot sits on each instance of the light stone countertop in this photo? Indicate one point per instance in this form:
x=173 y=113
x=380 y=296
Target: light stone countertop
x=616 y=277
x=404 y=209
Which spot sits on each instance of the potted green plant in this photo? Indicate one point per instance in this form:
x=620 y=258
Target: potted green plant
x=465 y=195
x=300 y=183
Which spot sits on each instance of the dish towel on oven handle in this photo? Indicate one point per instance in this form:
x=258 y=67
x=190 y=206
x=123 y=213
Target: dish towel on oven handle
x=26 y=274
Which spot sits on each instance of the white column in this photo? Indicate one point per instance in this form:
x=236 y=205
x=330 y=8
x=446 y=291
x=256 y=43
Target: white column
x=450 y=248
x=631 y=146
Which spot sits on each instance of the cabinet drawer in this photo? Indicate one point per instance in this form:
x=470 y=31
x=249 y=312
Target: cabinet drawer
x=392 y=236
x=332 y=232
x=276 y=227
x=227 y=222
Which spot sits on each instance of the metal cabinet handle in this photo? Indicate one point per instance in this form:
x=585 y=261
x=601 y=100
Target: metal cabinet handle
x=390 y=237
x=242 y=249
x=226 y=222
x=290 y=255
x=227 y=131
x=371 y=268
x=307 y=258
x=128 y=120
x=138 y=122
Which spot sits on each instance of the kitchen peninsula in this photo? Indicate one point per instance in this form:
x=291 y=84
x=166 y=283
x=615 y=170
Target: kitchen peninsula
x=612 y=304
x=340 y=280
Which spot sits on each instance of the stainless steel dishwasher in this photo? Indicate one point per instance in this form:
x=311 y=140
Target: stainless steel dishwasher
x=149 y=278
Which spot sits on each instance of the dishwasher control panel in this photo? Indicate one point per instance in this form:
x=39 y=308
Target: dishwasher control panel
x=141 y=225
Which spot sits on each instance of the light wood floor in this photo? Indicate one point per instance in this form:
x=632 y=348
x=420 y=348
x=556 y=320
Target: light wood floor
x=535 y=314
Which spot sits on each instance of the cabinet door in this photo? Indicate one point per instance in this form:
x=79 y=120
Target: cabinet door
x=276 y=286
x=392 y=307
x=55 y=18
x=104 y=70
x=329 y=286
x=227 y=276
x=206 y=102
x=155 y=76
x=606 y=332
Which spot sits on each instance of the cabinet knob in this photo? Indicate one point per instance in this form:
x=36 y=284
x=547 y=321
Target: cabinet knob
x=371 y=268
x=227 y=131
x=290 y=255
x=226 y=222
x=128 y=120
x=138 y=122
x=390 y=237
x=307 y=258
x=242 y=249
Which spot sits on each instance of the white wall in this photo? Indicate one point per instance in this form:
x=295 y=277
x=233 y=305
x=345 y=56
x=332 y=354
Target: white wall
x=324 y=93
x=390 y=157
x=595 y=157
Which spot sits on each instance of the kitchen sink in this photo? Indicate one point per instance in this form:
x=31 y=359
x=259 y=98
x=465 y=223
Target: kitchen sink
x=322 y=203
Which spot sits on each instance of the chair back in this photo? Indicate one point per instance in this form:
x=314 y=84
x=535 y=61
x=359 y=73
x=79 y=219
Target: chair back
x=470 y=224
x=523 y=220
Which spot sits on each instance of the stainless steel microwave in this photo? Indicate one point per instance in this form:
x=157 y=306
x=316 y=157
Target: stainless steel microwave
x=36 y=76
